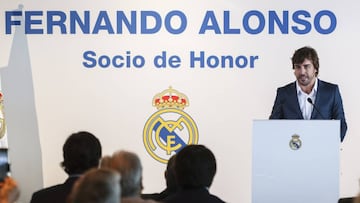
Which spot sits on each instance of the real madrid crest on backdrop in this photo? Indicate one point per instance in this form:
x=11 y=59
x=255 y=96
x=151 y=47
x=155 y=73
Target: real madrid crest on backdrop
x=170 y=128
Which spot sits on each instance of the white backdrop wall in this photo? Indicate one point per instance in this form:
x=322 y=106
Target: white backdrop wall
x=115 y=103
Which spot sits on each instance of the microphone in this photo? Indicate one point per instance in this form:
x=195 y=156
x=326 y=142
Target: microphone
x=316 y=109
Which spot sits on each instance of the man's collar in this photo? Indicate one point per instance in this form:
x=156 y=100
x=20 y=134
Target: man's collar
x=314 y=89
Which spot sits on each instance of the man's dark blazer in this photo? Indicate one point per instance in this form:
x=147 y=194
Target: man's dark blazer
x=328 y=104
x=199 y=195
x=54 y=194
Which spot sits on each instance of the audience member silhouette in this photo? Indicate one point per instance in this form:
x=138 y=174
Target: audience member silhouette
x=171 y=185
x=9 y=191
x=105 y=161
x=195 y=168
x=97 y=186
x=81 y=152
x=129 y=166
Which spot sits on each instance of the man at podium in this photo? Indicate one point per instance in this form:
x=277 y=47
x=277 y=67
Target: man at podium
x=309 y=97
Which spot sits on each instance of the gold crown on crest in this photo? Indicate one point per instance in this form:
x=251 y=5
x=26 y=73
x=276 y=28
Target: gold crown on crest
x=170 y=98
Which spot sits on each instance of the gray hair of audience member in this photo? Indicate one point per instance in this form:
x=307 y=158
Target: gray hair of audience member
x=128 y=164
x=97 y=186
x=105 y=162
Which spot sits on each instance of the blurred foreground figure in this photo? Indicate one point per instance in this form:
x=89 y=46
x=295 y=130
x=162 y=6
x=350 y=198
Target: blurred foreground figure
x=9 y=191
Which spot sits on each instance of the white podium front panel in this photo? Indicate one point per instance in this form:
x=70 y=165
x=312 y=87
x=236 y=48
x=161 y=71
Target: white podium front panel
x=295 y=161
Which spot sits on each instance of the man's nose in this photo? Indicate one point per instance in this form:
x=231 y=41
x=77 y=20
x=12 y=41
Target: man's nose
x=302 y=69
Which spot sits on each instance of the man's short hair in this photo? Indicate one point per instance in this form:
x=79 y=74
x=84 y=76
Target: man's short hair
x=81 y=151
x=195 y=167
x=306 y=53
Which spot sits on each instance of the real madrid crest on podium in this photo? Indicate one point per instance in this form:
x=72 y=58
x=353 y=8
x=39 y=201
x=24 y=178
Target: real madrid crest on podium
x=170 y=128
x=295 y=142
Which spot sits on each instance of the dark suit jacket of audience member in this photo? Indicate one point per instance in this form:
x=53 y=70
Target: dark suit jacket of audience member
x=199 y=195
x=54 y=194
x=158 y=196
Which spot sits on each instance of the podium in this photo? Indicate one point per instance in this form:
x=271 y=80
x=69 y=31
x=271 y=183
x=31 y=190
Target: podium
x=295 y=161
